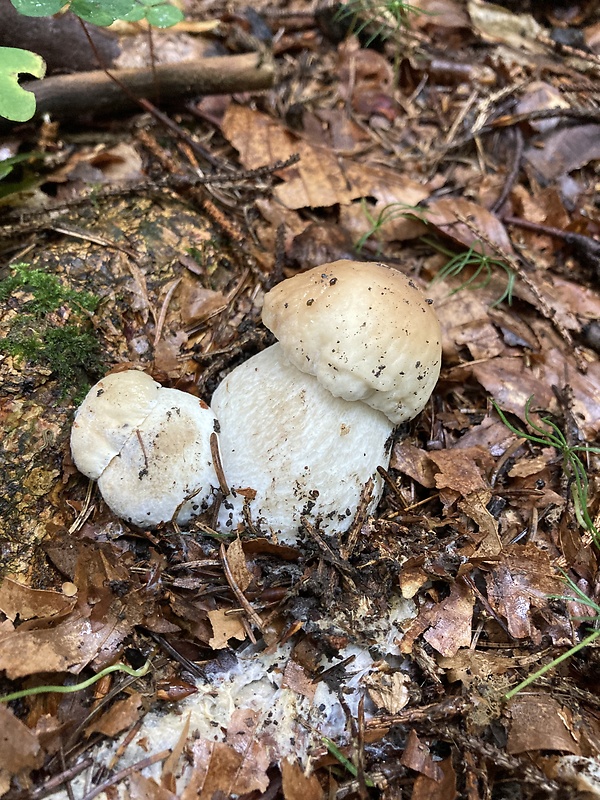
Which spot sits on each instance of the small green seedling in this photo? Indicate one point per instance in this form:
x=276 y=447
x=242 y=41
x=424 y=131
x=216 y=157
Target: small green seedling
x=582 y=598
x=77 y=687
x=474 y=258
x=383 y=16
x=552 y=436
x=483 y=266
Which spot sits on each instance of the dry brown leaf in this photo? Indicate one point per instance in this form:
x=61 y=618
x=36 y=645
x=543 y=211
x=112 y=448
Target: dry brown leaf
x=564 y=150
x=475 y=507
x=19 y=747
x=297 y=785
x=68 y=647
x=220 y=770
x=120 y=716
x=445 y=625
x=141 y=788
x=428 y=789
x=461 y=470
x=237 y=564
x=511 y=382
x=538 y=722
x=296 y=678
x=451 y=621
x=16 y=599
x=522 y=580
x=497 y=24
x=442 y=14
x=320 y=178
x=244 y=734
x=445 y=215
x=388 y=690
x=414 y=462
x=225 y=627
x=417 y=756
x=169 y=768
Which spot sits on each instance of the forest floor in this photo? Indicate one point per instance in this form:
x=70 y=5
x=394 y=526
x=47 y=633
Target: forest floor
x=457 y=141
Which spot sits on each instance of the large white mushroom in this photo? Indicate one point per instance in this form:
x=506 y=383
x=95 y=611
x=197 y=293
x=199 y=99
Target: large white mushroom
x=306 y=423
x=148 y=447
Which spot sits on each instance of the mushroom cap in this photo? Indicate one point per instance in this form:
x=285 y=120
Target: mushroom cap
x=301 y=451
x=364 y=330
x=110 y=412
x=165 y=467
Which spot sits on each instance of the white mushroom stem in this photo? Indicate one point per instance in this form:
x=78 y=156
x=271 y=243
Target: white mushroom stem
x=291 y=449
x=148 y=447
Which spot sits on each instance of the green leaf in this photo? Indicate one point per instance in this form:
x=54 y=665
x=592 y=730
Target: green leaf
x=163 y=16
x=16 y=103
x=6 y=166
x=136 y=14
x=38 y=8
x=102 y=12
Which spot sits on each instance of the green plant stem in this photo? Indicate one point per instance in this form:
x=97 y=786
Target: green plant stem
x=77 y=687
x=538 y=673
x=345 y=762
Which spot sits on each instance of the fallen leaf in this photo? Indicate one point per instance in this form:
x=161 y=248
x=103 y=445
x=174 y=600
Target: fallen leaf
x=461 y=470
x=522 y=580
x=564 y=150
x=414 y=462
x=237 y=564
x=121 y=715
x=19 y=747
x=297 y=785
x=16 y=599
x=67 y=647
x=445 y=216
x=225 y=627
x=296 y=678
x=538 y=722
x=218 y=770
x=141 y=788
x=428 y=789
x=417 y=756
x=445 y=625
x=497 y=24
x=388 y=690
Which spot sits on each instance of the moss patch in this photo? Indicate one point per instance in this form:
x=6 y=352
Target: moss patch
x=50 y=327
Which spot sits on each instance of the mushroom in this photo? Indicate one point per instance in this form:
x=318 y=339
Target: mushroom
x=306 y=423
x=148 y=447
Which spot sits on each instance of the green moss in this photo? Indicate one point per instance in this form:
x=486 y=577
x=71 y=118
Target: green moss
x=48 y=293
x=70 y=350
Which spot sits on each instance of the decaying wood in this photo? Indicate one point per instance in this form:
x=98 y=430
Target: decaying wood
x=70 y=97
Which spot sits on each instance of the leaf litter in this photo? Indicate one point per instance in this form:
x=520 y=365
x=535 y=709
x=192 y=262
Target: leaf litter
x=379 y=668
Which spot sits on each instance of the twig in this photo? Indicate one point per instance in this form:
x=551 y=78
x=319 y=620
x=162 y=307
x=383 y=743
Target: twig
x=238 y=592
x=217 y=464
x=57 y=780
x=513 y=174
x=125 y=773
x=69 y=97
x=366 y=496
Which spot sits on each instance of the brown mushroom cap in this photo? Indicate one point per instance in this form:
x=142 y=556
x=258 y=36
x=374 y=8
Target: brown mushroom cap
x=364 y=330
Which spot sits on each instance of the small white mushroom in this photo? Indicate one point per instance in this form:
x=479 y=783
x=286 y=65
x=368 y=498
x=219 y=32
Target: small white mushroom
x=148 y=447
x=306 y=423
